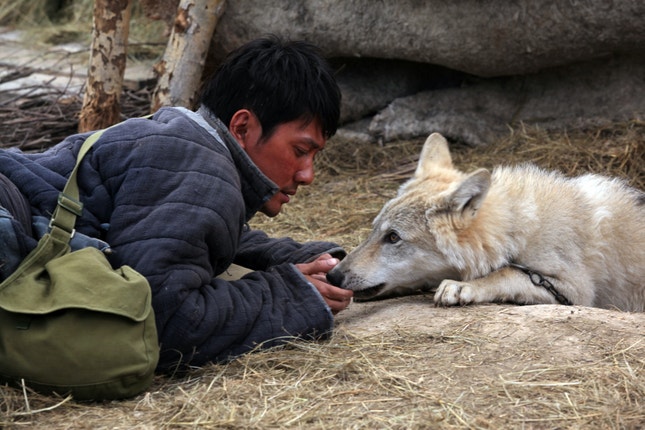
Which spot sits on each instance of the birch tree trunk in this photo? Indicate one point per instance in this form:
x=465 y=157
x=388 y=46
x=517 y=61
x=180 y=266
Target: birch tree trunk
x=180 y=71
x=101 y=102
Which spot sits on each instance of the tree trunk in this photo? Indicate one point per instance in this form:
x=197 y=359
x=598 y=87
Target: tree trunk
x=180 y=70
x=101 y=103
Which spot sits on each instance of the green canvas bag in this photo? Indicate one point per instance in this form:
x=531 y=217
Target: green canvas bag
x=71 y=324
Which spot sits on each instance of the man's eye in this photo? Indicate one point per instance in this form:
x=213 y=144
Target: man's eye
x=392 y=237
x=300 y=152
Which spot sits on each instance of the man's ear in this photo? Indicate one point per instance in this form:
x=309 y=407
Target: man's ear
x=245 y=127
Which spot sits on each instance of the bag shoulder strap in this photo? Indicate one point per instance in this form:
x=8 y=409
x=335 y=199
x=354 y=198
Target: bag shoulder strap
x=69 y=205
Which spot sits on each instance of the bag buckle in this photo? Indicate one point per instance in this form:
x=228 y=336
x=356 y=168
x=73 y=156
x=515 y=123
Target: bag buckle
x=70 y=204
x=52 y=225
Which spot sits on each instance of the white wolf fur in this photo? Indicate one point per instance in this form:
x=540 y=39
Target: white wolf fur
x=459 y=232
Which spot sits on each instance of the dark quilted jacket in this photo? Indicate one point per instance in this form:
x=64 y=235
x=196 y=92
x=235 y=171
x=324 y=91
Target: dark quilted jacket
x=172 y=196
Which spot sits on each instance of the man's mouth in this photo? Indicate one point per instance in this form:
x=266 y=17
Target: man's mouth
x=287 y=195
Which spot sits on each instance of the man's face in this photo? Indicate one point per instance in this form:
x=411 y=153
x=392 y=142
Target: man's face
x=286 y=157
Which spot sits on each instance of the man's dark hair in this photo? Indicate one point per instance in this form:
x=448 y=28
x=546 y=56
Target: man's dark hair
x=279 y=81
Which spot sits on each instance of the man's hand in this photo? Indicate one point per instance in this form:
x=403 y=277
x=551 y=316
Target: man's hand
x=336 y=298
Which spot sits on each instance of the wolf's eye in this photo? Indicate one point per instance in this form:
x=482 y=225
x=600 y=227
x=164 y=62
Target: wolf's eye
x=392 y=237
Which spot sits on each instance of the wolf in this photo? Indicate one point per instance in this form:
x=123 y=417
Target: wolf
x=518 y=234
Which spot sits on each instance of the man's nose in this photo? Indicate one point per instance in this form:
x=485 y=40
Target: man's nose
x=305 y=175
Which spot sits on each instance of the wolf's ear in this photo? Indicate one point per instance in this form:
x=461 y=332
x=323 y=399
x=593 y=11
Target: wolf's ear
x=470 y=194
x=434 y=154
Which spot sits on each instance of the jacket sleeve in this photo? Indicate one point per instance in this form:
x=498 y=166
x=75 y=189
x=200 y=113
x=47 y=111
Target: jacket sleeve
x=176 y=218
x=258 y=251
x=220 y=320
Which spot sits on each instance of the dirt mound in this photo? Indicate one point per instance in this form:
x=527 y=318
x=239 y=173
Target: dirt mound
x=548 y=333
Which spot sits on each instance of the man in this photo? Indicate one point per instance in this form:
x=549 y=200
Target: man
x=172 y=196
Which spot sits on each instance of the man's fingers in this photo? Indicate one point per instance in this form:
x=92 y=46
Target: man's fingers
x=337 y=305
x=336 y=298
x=335 y=293
x=318 y=266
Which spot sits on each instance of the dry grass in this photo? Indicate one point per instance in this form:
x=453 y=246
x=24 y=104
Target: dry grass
x=456 y=378
x=398 y=380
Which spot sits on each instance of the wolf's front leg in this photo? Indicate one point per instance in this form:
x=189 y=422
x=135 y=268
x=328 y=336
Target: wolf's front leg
x=504 y=285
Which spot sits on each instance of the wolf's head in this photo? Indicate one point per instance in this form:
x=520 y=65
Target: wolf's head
x=415 y=238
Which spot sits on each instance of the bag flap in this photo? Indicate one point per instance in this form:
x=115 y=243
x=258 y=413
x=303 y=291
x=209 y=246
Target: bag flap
x=51 y=278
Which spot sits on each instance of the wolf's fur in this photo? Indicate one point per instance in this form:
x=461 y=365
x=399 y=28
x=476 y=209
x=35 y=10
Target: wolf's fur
x=459 y=232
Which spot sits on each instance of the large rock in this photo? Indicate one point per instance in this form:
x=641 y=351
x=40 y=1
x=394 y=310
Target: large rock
x=472 y=36
x=467 y=69
x=594 y=94
x=369 y=84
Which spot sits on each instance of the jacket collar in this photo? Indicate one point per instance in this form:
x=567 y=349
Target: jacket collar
x=257 y=188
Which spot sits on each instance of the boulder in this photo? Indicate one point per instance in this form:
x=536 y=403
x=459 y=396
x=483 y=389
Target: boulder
x=370 y=84
x=592 y=94
x=481 y=38
x=466 y=69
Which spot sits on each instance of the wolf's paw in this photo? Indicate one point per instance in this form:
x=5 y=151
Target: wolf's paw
x=452 y=293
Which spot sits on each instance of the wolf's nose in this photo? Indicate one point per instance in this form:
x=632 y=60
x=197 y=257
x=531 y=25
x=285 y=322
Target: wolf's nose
x=335 y=277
